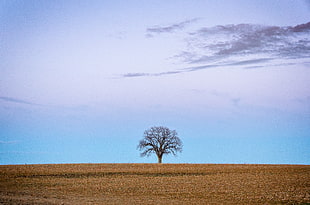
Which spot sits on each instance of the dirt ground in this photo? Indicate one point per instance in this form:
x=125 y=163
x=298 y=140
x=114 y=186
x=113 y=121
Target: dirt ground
x=154 y=184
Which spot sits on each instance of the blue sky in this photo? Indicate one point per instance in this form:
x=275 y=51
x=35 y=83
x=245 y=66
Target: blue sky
x=82 y=80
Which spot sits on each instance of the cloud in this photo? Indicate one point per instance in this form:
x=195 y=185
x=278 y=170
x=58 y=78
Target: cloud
x=236 y=101
x=247 y=46
x=249 y=62
x=24 y=152
x=305 y=100
x=224 y=96
x=15 y=100
x=224 y=41
x=9 y=142
x=169 y=29
x=246 y=63
x=131 y=75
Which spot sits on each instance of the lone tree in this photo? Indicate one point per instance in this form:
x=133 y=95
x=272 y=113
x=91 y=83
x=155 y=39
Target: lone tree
x=160 y=140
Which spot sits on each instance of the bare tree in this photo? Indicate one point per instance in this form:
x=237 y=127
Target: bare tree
x=160 y=140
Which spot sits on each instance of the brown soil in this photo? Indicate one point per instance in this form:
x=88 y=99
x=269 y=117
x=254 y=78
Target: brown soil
x=154 y=184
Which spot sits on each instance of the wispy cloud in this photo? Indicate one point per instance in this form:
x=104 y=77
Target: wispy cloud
x=305 y=100
x=224 y=96
x=246 y=64
x=132 y=75
x=224 y=41
x=25 y=153
x=245 y=46
x=9 y=142
x=236 y=101
x=16 y=100
x=170 y=28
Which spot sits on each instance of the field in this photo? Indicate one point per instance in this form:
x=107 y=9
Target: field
x=154 y=184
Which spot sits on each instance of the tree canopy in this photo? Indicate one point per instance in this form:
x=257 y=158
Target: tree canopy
x=160 y=140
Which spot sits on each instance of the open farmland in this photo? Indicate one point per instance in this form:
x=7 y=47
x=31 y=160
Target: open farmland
x=154 y=183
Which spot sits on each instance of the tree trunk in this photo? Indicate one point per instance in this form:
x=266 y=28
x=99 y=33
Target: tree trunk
x=160 y=159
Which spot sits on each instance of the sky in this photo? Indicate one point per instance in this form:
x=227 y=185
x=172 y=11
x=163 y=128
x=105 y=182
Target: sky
x=80 y=81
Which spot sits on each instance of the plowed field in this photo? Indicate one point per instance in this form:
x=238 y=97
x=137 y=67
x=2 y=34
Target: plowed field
x=154 y=184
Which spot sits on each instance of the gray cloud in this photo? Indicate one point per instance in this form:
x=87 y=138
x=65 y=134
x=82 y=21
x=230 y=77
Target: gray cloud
x=249 y=62
x=225 y=41
x=247 y=46
x=132 y=75
x=196 y=68
x=246 y=65
x=15 y=100
x=168 y=29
